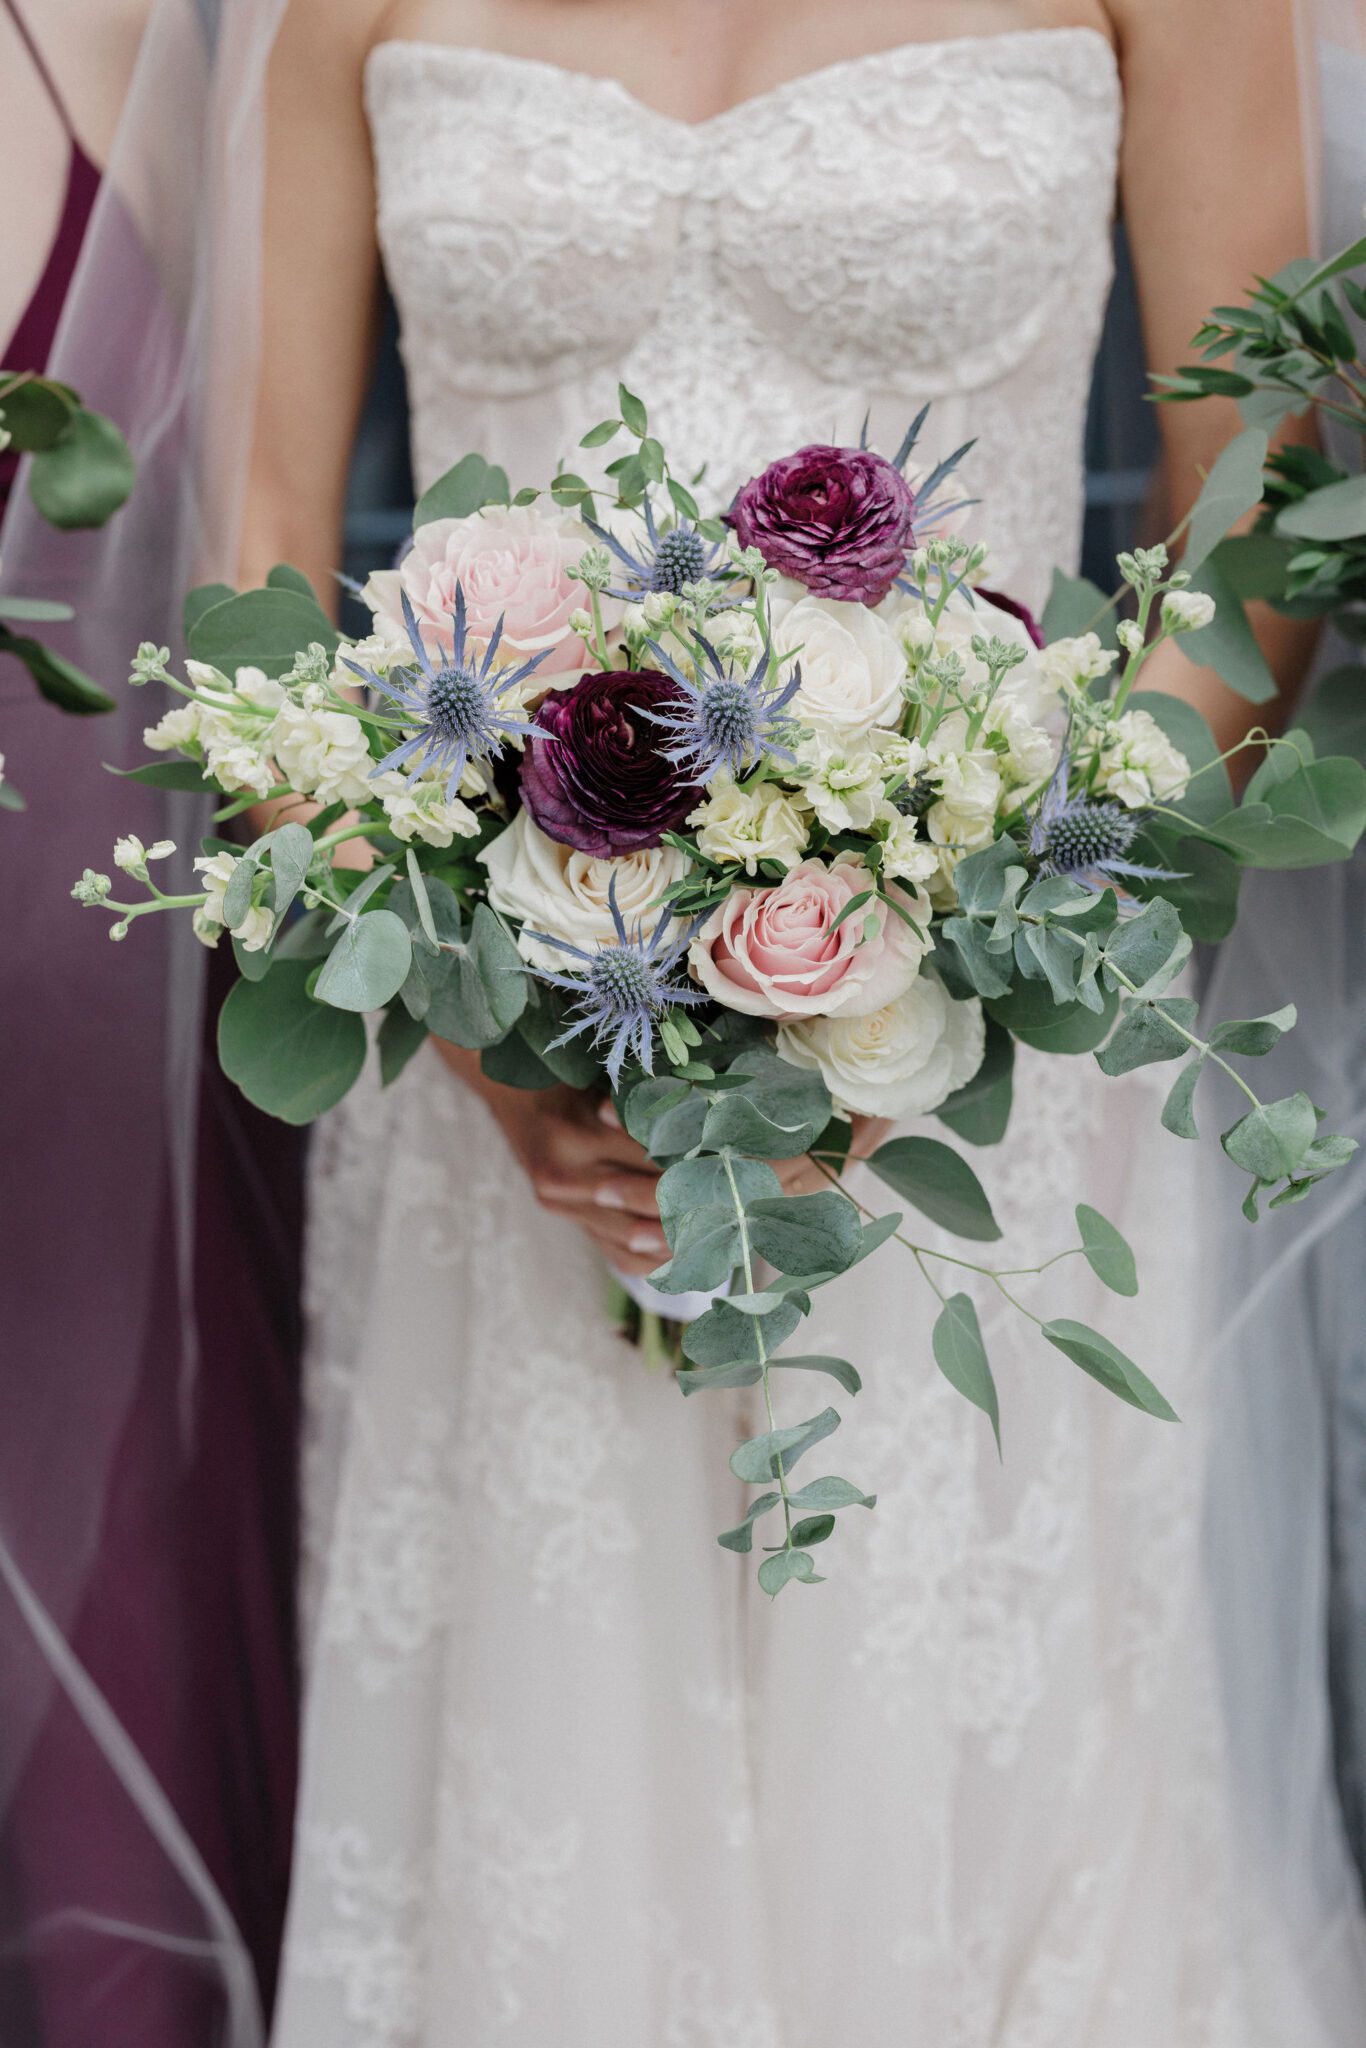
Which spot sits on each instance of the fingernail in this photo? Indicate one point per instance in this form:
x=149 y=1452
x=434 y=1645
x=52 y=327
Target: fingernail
x=607 y=1115
x=608 y=1198
x=646 y=1241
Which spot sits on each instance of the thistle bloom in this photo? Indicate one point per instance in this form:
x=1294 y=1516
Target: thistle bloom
x=663 y=561
x=1084 y=838
x=455 y=704
x=623 y=990
x=725 y=721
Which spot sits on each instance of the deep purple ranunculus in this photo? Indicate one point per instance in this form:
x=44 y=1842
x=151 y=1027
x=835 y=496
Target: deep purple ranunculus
x=1017 y=611
x=838 y=520
x=600 y=782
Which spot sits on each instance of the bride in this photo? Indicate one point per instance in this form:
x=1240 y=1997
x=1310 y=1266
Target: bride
x=569 y=1778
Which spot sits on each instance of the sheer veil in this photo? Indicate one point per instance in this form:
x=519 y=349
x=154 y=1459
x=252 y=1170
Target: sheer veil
x=1289 y=1294
x=158 y=331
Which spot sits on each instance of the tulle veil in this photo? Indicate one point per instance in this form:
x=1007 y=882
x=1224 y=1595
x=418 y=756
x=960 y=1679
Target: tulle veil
x=1288 y=1300
x=158 y=332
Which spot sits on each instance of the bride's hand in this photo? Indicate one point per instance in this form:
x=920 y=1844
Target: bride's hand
x=580 y=1162
x=802 y=1177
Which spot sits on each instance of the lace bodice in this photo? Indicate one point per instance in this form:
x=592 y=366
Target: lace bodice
x=931 y=222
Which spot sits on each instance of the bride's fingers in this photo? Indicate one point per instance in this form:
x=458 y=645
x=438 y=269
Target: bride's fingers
x=628 y=1242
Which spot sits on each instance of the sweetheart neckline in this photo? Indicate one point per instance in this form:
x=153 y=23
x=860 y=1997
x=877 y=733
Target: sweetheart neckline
x=775 y=94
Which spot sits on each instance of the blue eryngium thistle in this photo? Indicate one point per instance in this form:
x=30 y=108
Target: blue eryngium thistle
x=1085 y=837
x=623 y=990
x=725 y=720
x=662 y=561
x=454 y=705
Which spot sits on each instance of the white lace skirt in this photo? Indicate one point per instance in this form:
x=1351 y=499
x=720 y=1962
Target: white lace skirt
x=570 y=1779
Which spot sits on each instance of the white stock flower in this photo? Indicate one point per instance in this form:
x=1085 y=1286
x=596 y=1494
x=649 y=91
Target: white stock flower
x=1131 y=636
x=253 y=928
x=1030 y=752
x=903 y=1060
x=852 y=665
x=557 y=890
x=842 y=783
x=969 y=785
x=256 y=688
x=132 y=856
x=419 y=810
x=375 y=652
x=1139 y=765
x=323 y=753
x=177 y=730
x=750 y=825
x=1075 y=664
x=1186 y=611
x=232 y=756
x=906 y=857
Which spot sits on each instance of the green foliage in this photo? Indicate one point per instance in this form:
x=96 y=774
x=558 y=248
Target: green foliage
x=1076 y=606
x=1106 y=1252
x=939 y=1182
x=291 y=1056
x=1230 y=491
x=399 y=1038
x=58 y=679
x=962 y=1358
x=266 y=629
x=1228 y=644
x=979 y=1112
x=1106 y=1363
x=368 y=965
x=468 y=487
x=85 y=476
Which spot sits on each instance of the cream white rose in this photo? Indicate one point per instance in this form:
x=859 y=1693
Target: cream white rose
x=761 y=823
x=560 y=891
x=852 y=666
x=903 y=1060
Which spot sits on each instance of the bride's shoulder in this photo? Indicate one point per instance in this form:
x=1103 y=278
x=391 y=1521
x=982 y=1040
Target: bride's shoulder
x=1180 y=29
x=335 y=35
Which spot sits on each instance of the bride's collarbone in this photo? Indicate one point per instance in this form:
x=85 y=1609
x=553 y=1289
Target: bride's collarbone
x=697 y=59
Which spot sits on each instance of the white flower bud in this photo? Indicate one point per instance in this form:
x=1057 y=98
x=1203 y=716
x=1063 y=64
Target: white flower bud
x=660 y=606
x=1131 y=636
x=131 y=855
x=581 y=622
x=92 y=887
x=1187 y=611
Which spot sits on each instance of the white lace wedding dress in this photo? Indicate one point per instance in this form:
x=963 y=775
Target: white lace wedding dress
x=570 y=1779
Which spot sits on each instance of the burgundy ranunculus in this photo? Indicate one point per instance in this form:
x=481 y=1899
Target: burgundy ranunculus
x=600 y=782
x=1017 y=611
x=838 y=520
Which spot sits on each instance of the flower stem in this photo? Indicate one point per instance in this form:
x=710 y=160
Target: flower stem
x=747 y=1261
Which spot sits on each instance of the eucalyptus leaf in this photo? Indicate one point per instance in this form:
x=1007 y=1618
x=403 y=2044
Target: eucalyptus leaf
x=725 y=1336
x=1106 y=1363
x=468 y=487
x=58 y=679
x=400 y=1036
x=83 y=479
x=237 y=897
x=694 y=1379
x=202 y=599
x=666 y=1117
x=1271 y=1140
x=777 y=1571
x=368 y=965
x=803 y=1234
x=979 y=1112
x=291 y=856
x=1312 y=816
x=1178 y=1112
x=1031 y=1015
x=485 y=990
x=1228 y=644
x=167 y=775
x=1256 y=1036
x=814 y=1529
x=706 y=1249
x=1230 y=491
x=1106 y=1252
x=515 y=1064
x=704 y=1183
x=742 y=1538
x=292 y=1057
x=1335 y=716
x=1148 y=949
x=1149 y=1033
x=35 y=611
x=939 y=1182
x=962 y=1358
x=265 y=629
x=758 y=1459
x=830 y=1493
x=284 y=576
x=37 y=411
x=1336 y=512
x=835 y=1368
x=1076 y=606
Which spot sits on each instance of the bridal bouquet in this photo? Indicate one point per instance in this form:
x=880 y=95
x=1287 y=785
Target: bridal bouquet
x=764 y=820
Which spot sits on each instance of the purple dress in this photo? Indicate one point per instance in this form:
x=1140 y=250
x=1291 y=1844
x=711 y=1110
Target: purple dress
x=184 y=1623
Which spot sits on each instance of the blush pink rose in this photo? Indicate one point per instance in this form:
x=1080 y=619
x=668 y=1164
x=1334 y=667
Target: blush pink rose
x=776 y=952
x=512 y=562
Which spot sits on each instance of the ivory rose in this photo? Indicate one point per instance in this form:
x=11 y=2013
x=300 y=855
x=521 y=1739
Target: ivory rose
x=852 y=665
x=903 y=1060
x=512 y=562
x=778 y=953
x=555 y=889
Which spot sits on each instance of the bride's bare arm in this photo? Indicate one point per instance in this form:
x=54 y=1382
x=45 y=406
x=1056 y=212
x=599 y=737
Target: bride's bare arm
x=320 y=291
x=1213 y=192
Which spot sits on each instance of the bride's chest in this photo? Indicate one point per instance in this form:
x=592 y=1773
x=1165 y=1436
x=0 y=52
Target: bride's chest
x=886 y=219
